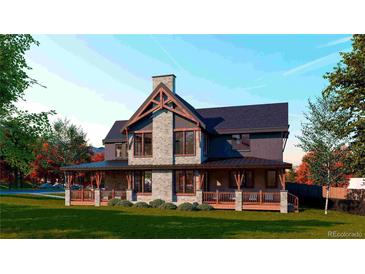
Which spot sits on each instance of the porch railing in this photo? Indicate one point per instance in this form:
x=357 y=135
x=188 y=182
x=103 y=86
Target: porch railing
x=261 y=197
x=293 y=201
x=258 y=197
x=82 y=195
x=107 y=195
x=219 y=197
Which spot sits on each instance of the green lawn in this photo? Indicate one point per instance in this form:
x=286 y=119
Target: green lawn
x=26 y=216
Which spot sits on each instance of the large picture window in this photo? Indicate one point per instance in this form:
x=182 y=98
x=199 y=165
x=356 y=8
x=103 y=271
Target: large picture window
x=184 y=142
x=142 y=144
x=184 y=182
x=143 y=181
x=271 y=179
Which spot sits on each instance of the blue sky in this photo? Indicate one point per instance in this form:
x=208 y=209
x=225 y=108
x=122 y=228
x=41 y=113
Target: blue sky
x=97 y=79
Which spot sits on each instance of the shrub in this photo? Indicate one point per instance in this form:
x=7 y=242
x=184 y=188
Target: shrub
x=195 y=205
x=185 y=207
x=205 y=207
x=157 y=203
x=124 y=203
x=113 y=202
x=141 y=205
x=168 y=206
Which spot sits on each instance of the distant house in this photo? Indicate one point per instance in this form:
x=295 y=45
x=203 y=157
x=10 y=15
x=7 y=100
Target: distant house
x=229 y=157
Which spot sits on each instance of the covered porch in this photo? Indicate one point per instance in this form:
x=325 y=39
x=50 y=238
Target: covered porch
x=238 y=184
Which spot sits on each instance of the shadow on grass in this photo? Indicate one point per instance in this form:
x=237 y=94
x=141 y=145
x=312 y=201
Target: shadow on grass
x=28 y=196
x=34 y=222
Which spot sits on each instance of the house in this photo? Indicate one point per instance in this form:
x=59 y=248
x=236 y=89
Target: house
x=229 y=157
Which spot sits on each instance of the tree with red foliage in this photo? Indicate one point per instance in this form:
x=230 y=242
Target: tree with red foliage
x=46 y=165
x=302 y=173
x=97 y=157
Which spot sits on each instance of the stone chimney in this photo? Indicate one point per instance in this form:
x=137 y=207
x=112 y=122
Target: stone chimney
x=168 y=80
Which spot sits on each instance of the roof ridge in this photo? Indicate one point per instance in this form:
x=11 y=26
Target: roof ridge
x=237 y=106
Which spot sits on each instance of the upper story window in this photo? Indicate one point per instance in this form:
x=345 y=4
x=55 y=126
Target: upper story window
x=184 y=142
x=241 y=142
x=205 y=145
x=121 y=150
x=142 y=144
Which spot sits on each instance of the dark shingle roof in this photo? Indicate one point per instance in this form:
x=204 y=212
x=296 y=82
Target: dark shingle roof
x=250 y=118
x=114 y=134
x=235 y=119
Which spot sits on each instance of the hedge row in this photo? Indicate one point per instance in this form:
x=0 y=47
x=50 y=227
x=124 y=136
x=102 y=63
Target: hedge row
x=158 y=203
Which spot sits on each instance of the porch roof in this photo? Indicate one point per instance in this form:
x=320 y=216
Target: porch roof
x=228 y=163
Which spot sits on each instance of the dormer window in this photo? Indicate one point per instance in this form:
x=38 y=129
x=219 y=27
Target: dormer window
x=241 y=142
x=121 y=150
x=143 y=144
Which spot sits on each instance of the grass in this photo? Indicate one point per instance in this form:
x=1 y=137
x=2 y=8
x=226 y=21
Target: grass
x=27 y=216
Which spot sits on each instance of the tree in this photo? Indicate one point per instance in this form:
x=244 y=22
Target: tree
x=347 y=87
x=14 y=79
x=70 y=142
x=97 y=157
x=290 y=176
x=20 y=131
x=303 y=174
x=46 y=164
x=319 y=137
x=19 y=138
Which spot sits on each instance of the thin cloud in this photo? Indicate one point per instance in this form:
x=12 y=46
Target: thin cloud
x=335 y=42
x=320 y=62
x=173 y=60
x=255 y=87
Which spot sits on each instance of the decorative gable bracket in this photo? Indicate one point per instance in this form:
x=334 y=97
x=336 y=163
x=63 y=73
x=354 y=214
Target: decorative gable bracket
x=162 y=98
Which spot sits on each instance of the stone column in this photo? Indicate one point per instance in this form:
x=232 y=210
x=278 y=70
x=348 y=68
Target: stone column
x=238 y=203
x=199 y=196
x=97 y=196
x=67 y=197
x=129 y=194
x=283 y=201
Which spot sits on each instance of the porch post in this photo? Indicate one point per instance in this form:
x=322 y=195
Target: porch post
x=67 y=192
x=199 y=189
x=97 y=190
x=97 y=196
x=238 y=201
x=238 y=176
x=129 y=191
x=283 y=201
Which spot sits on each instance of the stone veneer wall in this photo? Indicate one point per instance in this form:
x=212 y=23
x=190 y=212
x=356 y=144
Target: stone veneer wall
x=162 y=186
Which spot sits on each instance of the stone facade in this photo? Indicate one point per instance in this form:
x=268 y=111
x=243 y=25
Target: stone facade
x=162 y=187
x=97 y=197
x=238 y=201
x=67 y=197
x=168 y=80
x=283 y=201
